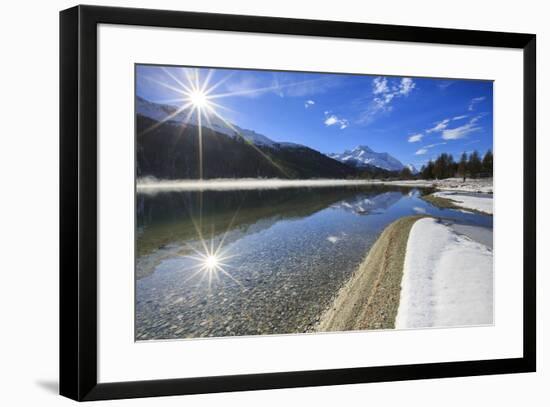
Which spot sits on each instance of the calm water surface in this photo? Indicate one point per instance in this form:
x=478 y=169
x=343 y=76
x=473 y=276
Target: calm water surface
x=285 y=254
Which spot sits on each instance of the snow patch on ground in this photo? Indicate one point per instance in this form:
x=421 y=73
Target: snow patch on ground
x=479 y=203
x=484 y=185
x=447 y=279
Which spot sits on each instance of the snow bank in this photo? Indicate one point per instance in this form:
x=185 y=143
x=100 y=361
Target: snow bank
x=479 y=203
x=447 y=279
x=484 y=185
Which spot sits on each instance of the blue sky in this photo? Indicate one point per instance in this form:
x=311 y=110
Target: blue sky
x=413 y=119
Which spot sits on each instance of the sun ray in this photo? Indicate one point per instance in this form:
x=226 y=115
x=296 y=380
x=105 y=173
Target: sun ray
x=264 y=155
x=208 y=121
x=171 y=75
x=199 y=120
x=199 y=234
x=209 y=264
x=244 y=92
x=197 y=80
x=167 y=86
x=189 y=75
x=218 y=84
x=217 y=105
x=206 y=82
x=174 y=100
x=265 y=89
x=169 y=117
x=231 y=222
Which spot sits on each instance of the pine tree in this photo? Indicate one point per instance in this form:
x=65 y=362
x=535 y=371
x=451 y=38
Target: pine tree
x=474 y=165
x=487 y=164
x=451 y=166
x=439 y=167
x=462 y=166
x=405 y=173
x=428 y=170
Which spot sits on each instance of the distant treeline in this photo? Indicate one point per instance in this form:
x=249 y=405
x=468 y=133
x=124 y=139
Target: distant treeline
x=444 y=166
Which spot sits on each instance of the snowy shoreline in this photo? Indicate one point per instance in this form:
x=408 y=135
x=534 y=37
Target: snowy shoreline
x=441 y=275
x=447 y=279
x=471 y=185
x=482 y=204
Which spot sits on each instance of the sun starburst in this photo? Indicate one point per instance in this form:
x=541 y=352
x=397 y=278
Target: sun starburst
x=197 y=99
x=210 y=262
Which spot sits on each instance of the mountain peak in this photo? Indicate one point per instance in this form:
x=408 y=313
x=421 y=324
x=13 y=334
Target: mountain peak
x=364 y=148
x=412 y=168
x=363 y=155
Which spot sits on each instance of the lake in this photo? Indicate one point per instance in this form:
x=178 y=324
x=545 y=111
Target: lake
x=249 y=262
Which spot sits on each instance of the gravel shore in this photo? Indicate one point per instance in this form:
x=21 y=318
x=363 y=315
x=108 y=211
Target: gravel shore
x=370 y=299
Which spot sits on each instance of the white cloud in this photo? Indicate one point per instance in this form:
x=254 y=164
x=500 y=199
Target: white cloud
x=445 y=84
x=472 y=142
x=332 y=119
x=426 y=148
x=309 y=103
x=380 y=85
x=444 y=124
x=474 y=102
x=435 y=145
x=461 y=131
x=406 y=86
x=383 y=102
x=456 y=132
x=385 y=91
x=439 y=126
x=415 y=138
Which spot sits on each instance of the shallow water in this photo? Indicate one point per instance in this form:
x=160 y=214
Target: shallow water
x=282 y=255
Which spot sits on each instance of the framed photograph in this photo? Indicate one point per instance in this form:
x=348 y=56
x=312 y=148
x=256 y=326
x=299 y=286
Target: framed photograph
x=256 y=202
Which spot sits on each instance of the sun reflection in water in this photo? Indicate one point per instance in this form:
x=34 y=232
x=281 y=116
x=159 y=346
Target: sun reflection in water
x=210 y=263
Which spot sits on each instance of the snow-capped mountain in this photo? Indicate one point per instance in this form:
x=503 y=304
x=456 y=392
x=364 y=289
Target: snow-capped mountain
x=412 y=169
x=159 y=112
x=256 y=138
x=362 y=156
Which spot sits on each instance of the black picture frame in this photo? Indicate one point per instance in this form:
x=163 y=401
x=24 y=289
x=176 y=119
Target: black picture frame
x=78 y=201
